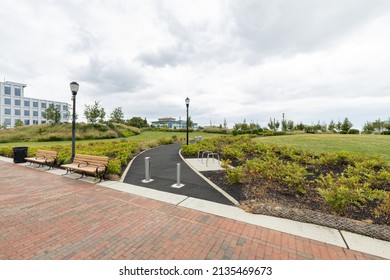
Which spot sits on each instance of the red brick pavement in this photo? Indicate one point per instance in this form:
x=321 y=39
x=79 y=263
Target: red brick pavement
x=46 y=216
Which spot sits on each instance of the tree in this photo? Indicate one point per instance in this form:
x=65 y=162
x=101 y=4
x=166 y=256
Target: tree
x=224 y=123
x=117 y=115
x=368 y=128
x=52 y=113
x=273 y=124
x=346 y=126
x=331 y=126
x=190 y=122
x=244 y=125
x=284 y=125
x=338 y=126
x=300 y=126
x=137 y=122
x=290 y=125
x=378 y=125
x=19 y=123
x=94 y=113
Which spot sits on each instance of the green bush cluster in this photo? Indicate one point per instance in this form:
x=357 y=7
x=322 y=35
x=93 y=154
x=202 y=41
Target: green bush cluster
x=341 y=179
x=120 y=152
x=216 y=130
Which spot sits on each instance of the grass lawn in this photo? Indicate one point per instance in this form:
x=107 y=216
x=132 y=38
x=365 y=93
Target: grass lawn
x=371 y=145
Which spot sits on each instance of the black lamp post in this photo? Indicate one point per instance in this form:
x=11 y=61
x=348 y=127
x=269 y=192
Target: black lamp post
x=187 y=105
x=74 y=87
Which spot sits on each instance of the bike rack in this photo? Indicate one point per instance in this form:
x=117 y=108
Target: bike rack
x=207 y=154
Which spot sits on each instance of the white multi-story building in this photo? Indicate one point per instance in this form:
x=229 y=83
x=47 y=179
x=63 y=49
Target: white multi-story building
x=15 y=106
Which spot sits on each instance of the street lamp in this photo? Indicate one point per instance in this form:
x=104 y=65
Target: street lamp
x=74 y=87
x=187 y=105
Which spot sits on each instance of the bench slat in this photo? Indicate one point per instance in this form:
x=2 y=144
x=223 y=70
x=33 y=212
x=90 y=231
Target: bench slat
x=44 y=157
x=96 y=165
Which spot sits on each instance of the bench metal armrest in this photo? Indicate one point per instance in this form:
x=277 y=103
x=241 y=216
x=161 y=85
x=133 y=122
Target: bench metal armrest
x=50 y=158
x=83 y=162
x=101 y=165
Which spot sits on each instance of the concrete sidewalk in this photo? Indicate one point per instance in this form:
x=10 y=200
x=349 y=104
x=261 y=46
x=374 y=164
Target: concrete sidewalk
x=46 y=216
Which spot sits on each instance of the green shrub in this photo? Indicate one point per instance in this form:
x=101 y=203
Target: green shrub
x=339 y=192
x=271 y=133
x=288 y=174
x=216 y=130
x=114 y=166
x=353 y=131
x=383 y=210
x=234 y=175
x=165 y=140
x=6 y=151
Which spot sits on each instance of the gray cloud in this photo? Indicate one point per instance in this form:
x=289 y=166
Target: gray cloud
x=112 y=76
x=289 y=27
x=310 y=59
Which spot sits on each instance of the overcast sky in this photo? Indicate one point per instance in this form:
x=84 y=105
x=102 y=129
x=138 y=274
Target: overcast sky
x=313 y=60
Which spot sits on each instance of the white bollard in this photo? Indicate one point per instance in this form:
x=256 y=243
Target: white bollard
x=147 y=171
x=177 y=185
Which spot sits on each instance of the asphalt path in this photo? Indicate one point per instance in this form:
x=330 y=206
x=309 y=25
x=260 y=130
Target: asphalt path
x=163 y=164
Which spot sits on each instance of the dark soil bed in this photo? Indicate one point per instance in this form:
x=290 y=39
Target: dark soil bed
x=275 y=200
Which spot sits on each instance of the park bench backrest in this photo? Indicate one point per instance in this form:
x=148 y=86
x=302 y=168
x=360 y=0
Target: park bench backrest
x=91 y=160
x=50 y=155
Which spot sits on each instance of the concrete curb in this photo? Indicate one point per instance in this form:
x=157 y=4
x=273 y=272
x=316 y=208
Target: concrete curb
x=228 y=196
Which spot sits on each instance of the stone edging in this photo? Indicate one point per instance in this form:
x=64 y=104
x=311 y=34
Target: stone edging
x=308 y=216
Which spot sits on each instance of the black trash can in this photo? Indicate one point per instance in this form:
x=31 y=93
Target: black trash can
x=19 y=154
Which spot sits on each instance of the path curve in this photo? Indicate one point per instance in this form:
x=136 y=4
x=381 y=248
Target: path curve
x=163 y=162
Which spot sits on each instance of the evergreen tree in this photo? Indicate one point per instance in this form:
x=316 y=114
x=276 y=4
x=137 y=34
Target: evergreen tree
x=346 y=126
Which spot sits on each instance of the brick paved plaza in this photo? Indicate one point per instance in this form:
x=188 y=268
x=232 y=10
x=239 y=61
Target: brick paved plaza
x=46 y=216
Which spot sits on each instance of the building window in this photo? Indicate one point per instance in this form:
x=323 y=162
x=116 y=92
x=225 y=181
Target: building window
x=35 y=121
x=7 y=101
x=7 y=90
x=35 y=104
x=27 y=103
x=17 y=91
x=58 y=107
x=26 y=122
x=7 y=111
x=35 y=113
x=17 y=112
x=17 y=102
x=65 y=108
x=43 y=114
x=43 y=105
x=7 y=122
x=27 y=113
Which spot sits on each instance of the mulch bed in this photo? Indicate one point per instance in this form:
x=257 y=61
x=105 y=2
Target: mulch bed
x=268 y=198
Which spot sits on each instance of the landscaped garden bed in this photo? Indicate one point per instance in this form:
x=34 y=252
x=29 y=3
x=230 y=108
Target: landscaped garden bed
x=345 y=191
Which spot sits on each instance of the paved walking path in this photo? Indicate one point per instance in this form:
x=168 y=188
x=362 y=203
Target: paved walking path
x=47 y=216
x=163 y=162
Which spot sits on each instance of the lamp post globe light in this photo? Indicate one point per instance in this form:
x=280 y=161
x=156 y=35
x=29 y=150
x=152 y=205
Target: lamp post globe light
x=187 y=105
x=74 y=88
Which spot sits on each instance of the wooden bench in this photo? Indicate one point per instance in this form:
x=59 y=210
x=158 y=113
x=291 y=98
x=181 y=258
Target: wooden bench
x=44 y=157
x=86 y=164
